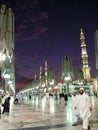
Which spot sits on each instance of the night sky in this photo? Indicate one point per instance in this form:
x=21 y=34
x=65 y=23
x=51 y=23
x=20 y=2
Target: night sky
x=49 y=30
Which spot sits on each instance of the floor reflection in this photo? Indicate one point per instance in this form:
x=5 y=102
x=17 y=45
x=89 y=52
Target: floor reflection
x=42 y=113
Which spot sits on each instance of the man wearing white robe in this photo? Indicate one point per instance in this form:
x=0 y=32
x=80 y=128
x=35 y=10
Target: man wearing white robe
x=84 y=108
x=74 y=111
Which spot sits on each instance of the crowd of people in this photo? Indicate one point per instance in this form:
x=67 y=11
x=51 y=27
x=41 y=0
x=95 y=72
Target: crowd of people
x=5 y=102
x=81 y=105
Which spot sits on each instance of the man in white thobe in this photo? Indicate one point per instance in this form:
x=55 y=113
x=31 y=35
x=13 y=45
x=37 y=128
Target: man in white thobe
x=74 y=111
x=84 y=108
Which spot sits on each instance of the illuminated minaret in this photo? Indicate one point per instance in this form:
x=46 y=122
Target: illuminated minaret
x=35 y=77
x=40 y=76
x=86 y=68
x=46 y=74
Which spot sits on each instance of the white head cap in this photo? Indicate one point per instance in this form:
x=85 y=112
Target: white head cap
x=81 y=88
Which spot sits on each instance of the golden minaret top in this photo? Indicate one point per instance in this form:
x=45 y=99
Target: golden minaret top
x=82 y=37
x=81 y=31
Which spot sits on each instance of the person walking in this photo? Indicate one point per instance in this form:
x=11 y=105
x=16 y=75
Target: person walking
x=6 y=103
x=65 y=98
x=74 y=110
x=84 y=107
x=19 y=96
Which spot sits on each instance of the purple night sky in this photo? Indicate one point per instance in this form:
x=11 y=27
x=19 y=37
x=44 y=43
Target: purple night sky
x=49 y=30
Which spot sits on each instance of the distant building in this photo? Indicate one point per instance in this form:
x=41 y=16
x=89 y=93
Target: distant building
x=67 y=70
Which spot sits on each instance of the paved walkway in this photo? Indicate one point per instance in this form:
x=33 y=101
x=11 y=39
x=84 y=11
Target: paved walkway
x=44 y=114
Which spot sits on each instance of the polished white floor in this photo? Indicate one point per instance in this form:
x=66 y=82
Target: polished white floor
x=44 y=114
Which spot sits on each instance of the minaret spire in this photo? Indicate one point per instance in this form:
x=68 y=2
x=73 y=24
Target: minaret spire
x=40 y=76
x=35 y=77
x=46 y=74
x=84 y=55
x=82 y=38
x=81 y=31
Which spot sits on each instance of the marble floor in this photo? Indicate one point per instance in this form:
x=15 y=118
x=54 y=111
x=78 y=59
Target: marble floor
x=44 y=114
